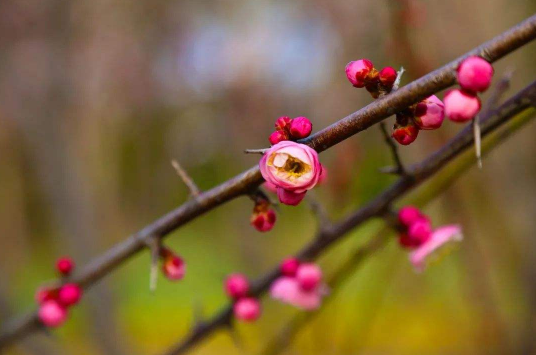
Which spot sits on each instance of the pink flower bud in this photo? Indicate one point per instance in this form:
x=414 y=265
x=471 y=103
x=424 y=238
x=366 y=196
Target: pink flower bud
x=290 y=198
x=300 y=127
x=44 y=294
x=388 y=76
x=282 y=123
x=420 y=231
x=289 y=266
x=236 y=286
x=358 y=71
x=405 y=134
x=173 y=266
x=247 y=309
x=69 y=294
x=65 y=265
x=263 y=221
x=52 y=314
x=409 y=214
x=309 y=276
x=474 y=74
x=461 y=106
x=429 y=113
x=278 y=136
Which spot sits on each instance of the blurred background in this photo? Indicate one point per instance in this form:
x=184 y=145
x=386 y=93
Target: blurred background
x=96 y=98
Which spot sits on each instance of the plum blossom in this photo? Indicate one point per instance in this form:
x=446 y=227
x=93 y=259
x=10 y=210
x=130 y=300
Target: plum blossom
x=440 y=239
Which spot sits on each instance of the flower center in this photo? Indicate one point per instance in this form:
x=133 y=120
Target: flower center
x=288 y=165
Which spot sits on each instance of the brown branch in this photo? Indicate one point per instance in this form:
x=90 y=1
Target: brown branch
x=416 y=174
x=188 y=181
x=399 y=167
x=243 y=183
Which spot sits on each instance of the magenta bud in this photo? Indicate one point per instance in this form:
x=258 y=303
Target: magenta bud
x=236 y=286
x=289 y=266
x=309 y=276
x=69 y=294
x=429 y=113
x=52 y=314
x=408 y=214
x=173 y=267
x=247 y=309
x=357 y=72
x=64 y=265
x=263 y=221
x=420 y=231
x=282 y=123
x=405 y=134
x=278 y=136
x=460 y=105
x=300 y=127
x=388 y=76
x=44 y=294
x=474 y=74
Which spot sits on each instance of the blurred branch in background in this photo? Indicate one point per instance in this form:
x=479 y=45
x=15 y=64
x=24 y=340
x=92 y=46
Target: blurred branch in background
x=330 y=136
x=416 y=174
x=346 y=270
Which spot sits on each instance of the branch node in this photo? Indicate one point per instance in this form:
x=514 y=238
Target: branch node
x=194 y=190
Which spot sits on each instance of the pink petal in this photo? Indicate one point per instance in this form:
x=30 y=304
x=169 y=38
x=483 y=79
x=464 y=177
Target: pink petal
x=440 y=237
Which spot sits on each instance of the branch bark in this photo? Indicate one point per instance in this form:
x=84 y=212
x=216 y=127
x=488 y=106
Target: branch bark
x=245 y=182
x=415 y=175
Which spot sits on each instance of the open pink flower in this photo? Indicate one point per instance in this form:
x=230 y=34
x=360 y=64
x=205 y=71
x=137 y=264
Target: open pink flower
x=440 y=238
x=288 y=290
x=292 y=167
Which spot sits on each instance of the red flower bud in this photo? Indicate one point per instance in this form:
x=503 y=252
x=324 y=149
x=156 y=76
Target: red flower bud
x=290 y=266
x=69 y=294
x=309 y=276
x=300 y=127
x=65 y=265
x=278 y=136
x=357 y=72
x=282 y=123
x=461 y=105
x=247 y=309
x=173 y=266
x=408 y=214
x=44 y=294
x=387 y=77
x=236 y=286
x=52 y=314
x=263 y=217
x=405 y=133
x=420 y=231
x=474 y=74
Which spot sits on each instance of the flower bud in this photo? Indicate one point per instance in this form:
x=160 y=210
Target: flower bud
x=387 y=77
x=278 y=136
x=282 y=123
x=69 y=294
x=64 y=266
x=263 y=217
x=429 y=113
x=408 y=215
x=44 y=294
x=420 y=231
x=290 y=198
x=405 y=134
x=173 y=266
x=460 y=105
x=300 y=127
x=236 y=286
x=289 y=266
x=357 y=72
x=52 y=314
x=309 y=276
x=247 y=309
x=474 y=74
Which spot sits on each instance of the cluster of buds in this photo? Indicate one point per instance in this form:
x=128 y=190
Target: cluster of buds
x=361 y=73
x=173 y=266
x=292 y=129
x=418 y=235
x=246 y=307
x=54 y=302
x=263 y=216
x=425 y=115
x=300 y=284
x=474 y=75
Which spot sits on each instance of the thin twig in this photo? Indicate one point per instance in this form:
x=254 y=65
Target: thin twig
x=493 y=101
x=324 y=222
x=394 y=151
x=241 y=184
x=416 y=174
x=194 y=190
x=256 y=151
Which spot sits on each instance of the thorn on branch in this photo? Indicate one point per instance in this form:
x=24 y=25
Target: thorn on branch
x=399 y=169
x=154 y=244
x=256 y=151
x=396 y=85
x=194 y=190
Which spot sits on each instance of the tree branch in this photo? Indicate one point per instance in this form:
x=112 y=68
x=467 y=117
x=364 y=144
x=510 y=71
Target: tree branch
x=416 y=174
x=243 y=183
x=188 y=181
x=399 y=167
